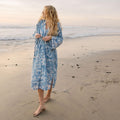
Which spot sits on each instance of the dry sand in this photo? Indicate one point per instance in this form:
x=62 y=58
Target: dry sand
x=87 y=86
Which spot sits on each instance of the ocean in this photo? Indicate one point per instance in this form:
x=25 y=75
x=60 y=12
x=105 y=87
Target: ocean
x=12 y=36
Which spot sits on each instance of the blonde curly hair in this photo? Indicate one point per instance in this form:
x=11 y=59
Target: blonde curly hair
x=50 y=15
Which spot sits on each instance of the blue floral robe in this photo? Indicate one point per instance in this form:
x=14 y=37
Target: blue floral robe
x=44 y=68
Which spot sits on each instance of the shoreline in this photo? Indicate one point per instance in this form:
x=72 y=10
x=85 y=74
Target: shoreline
x=79 y=40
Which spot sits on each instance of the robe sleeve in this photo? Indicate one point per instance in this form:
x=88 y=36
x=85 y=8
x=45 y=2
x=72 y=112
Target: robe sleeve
x=36 y=31
x=57 y=40
x=37 y=27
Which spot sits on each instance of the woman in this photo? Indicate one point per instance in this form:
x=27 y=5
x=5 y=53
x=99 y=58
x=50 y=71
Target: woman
x=48 y=36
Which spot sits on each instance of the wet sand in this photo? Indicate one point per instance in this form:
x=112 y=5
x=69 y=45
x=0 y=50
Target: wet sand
x=87 y=86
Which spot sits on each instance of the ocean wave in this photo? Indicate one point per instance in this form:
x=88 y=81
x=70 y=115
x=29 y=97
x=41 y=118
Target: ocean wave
x=90 y=35
x=65 y=37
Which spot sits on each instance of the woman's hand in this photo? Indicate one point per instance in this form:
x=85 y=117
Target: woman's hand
x=37 y=35
x=47 y=38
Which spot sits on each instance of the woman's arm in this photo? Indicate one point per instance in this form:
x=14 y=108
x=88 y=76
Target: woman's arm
x=56 y=40
x=36 y=28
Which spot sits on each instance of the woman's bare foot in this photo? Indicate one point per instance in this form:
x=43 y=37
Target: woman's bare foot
x=39 y=110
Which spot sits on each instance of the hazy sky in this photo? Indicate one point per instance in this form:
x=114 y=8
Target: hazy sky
x=70 y=12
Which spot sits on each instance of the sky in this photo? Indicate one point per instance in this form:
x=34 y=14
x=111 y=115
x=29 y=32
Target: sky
x=70 y=12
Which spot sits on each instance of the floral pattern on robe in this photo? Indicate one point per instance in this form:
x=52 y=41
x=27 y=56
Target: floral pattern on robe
x=44 y=67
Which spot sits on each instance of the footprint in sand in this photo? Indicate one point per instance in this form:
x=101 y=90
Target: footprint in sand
x=97 y=61
x=94 y=111
x=73 y=76
x=108 y=72
x=93 y=98
x=113 y=59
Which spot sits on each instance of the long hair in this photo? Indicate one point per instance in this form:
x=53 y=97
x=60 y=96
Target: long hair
x=50 y=15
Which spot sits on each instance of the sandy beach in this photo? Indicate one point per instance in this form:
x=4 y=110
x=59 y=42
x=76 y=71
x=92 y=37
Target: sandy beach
x=87 y=86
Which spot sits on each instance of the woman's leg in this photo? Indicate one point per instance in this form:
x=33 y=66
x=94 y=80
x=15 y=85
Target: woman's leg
x=48 y=93
x=41 y=96
x=41 y=99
